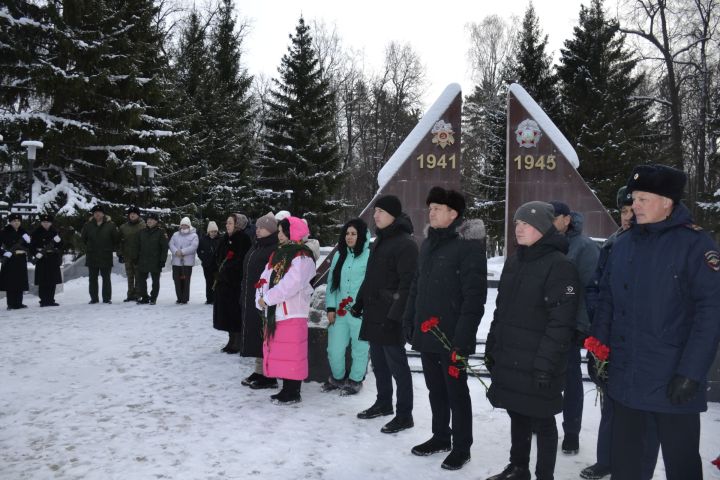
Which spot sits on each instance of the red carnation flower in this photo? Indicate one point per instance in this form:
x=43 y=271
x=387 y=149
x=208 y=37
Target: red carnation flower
x=602 y=352
x=455 y=357
x=230 y=254
x=341 y=312
x=454 y=371
x=429 y=324
x=260 y=283
x=716 y=462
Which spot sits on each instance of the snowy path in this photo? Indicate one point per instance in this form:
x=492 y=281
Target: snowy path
x=138 y=392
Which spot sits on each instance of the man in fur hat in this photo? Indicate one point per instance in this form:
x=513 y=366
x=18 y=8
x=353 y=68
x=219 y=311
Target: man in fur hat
x=450 y=284
x=101 y=237
x=129 y=244
x=658 y=312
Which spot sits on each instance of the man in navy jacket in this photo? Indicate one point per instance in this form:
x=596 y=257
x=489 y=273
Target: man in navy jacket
x=658 y=311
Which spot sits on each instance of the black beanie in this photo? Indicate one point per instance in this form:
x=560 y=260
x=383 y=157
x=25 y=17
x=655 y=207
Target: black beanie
x=538 y=214
x=658 y=179
x=451 y=198
x=391 y=204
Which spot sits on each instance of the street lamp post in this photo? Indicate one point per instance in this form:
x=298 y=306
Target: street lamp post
x=32 y=147
x=151 y=180
x=138 y=175
x=289 y=194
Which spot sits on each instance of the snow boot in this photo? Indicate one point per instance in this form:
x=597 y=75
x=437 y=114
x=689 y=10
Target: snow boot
x=456 y=460
x=398 y=424
x=249 y=380
x=262 y=382
x=143 y=300
x=331 y=384
x=595 y=472
x=351 y=387
x=512 y=472
x=375 y=411
x=434 y=445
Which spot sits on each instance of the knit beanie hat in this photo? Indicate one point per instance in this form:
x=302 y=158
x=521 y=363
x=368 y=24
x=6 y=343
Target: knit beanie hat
x=267 y=222
x=538 y=214
x=212 y=227
x=282 y=214
x=391 y=204
x=185 y=221
x=298 y=229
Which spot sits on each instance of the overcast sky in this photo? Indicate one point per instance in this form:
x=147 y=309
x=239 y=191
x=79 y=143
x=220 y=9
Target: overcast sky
x=435 y=29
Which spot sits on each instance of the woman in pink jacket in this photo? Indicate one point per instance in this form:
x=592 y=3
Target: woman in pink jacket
x=283 y=294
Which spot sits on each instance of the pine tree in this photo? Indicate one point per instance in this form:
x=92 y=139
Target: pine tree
x=300 y=149
x=608 y=128
x=531 y=65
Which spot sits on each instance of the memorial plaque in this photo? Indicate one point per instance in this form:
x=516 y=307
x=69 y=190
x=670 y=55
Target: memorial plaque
x=542 y=165
x=429 y=156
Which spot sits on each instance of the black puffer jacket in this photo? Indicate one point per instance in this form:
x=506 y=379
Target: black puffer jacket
x=227 y=309
x=450 y=283
x=533 y=326
x=207 y=251
x=251 y=335
x=47 y=268
x=383 y=294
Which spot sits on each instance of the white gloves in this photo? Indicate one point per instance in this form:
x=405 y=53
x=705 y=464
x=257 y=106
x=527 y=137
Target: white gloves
x=56 y=239
x=38 y=255
x=7 y=254
x=26 y=237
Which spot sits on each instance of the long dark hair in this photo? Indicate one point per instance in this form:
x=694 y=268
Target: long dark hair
x=342 y=247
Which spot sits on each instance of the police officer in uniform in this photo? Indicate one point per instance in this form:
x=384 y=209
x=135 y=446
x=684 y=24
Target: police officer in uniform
x=658 y=312
x=46 y=249
x=14 y=248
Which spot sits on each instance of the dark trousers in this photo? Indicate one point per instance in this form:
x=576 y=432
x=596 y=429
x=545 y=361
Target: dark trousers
x=521 y=428
x=209 y=273
x=141 y=284
x=604 y=441
x=679 y=435
x=573 y=394
x=390 y=361
x=46 y=292
x=448 y=394
x=14 y=298
x=130 y=271
x=104 y=272
x=181 y=277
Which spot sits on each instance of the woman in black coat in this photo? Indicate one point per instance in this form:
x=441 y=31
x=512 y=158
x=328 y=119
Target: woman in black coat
x=207 y=253
x=251 y=335
x=227 y=309
x=531 y=332
x=47 y=250
x=14 y=248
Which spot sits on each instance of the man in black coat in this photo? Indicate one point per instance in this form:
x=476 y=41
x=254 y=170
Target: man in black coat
x=381 y=303
x=531 y=332
x=47 y=251
x=207 y=252
x=450 y=284
x=14 y=248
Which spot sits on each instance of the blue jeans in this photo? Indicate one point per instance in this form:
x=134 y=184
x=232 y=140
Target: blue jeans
x=390 y=361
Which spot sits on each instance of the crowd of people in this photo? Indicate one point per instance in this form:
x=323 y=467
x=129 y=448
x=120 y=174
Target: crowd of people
x=650 y=296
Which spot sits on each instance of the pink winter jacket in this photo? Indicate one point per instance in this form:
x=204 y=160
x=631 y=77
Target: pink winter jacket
x=292 y=294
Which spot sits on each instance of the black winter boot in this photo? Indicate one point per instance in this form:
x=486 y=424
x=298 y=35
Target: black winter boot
x=512 y=472
x=398 y=424
x=434 y=445
x=375 y=411
x=262 y=382
x=595 y=472
x=455 y=460
x=571 y=444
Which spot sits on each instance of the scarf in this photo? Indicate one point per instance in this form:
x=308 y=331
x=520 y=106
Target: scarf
x=280 y=262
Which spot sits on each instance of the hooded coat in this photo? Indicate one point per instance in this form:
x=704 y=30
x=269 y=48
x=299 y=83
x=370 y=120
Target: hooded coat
x=658 y=312
x=187 y=243
x=227 y=308
x=584 y=253
x=47 y=268
x=13 y=273
x=533 y=326
x=384 y=292
x=451 y=284
x=251 y=337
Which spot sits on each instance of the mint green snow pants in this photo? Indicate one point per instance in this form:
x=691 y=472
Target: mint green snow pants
x=346 y=330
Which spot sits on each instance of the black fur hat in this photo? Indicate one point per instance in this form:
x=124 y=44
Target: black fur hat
x=14 y=216
x=623 y=198
x=153 y=216
x=97 y=208
x=451 y=198
x=46 y=217
x=658 y=179
x=132 y=209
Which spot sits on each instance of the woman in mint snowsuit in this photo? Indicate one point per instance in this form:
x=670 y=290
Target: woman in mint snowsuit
x=347 y=272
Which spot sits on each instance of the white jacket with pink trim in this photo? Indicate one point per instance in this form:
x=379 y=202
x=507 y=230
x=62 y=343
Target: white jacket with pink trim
x=292 y=293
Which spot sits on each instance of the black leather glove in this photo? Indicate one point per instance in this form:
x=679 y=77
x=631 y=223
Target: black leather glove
x=355 y=311
x=579 y=338
x=592 y=369
x=121 y=259
x=489 y=362
x=542 y=380
x=681 y=389
x=408 y=330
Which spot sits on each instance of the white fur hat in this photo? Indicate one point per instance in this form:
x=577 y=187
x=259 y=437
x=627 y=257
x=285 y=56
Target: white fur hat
x=282 y=214
x=185 y=221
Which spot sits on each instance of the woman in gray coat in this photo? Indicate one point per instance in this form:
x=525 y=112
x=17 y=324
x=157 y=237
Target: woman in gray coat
x=183 y=245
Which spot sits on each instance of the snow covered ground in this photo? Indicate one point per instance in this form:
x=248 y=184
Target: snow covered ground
x=140 y=392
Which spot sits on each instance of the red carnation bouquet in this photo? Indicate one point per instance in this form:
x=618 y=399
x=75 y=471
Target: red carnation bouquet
x=601 y=353
x=716 y=462
x=259 y=287
x=342 y=311
x=432 y=325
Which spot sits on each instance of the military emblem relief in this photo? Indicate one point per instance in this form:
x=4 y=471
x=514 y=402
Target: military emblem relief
x=443 y=134
x=528 y=133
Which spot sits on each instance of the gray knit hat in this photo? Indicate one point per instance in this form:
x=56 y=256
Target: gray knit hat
x=538 y=214
x=267 y=222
